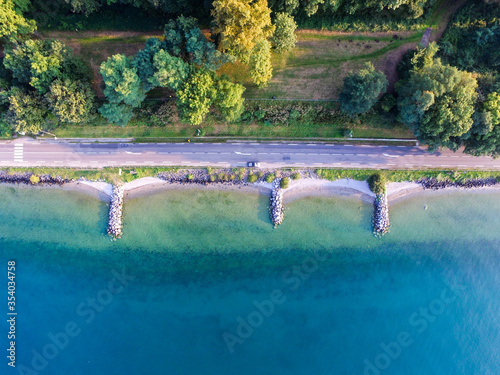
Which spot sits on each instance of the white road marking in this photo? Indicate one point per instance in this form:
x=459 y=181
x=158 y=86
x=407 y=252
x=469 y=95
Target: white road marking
x=391 y=156
x=348 y=145
x=127 y=152
x=240 y=153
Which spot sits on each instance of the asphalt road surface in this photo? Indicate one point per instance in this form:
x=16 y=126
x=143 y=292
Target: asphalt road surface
x=26 y=152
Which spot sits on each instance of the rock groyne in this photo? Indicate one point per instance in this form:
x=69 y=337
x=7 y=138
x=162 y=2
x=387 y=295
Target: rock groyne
x=276 y=205
x=115 y=212
x=25 y=178
x=434 y=184
x=381 y=222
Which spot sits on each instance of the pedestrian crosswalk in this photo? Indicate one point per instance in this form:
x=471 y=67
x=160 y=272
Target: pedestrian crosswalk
x=18 y=152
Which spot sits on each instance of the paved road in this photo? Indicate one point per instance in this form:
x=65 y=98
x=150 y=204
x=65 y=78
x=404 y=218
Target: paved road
x=28 y=152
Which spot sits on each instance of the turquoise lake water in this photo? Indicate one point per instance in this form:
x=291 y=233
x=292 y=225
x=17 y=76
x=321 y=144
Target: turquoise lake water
x=202 y=284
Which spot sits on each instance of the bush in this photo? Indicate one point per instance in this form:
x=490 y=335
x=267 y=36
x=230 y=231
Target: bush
x=284 y=182
x=377 y=182
x=388 y=102
x=270 y=177
x=295 y=176
x=212 y=178
x=190 y=177
x=252 y=178
x=284 y=38
x=34 y=179
x=361 y=90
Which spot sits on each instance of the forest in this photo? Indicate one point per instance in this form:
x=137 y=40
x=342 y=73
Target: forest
x=210 y=68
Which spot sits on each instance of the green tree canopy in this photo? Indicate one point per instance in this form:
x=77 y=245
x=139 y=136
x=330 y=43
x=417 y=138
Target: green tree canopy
x=71 y=101
x=261 y=69
x=196 y=96
x=119 y=114
x=123 y=89
x=37 y=62
x=437 y=102
x=184 y=39
x=143 y=61
x=229 y=100
x=241 y=24
x=13 y=24
x=122 y=83
x=26 y=113
x=284 y=38
x=492 y=105
x=361 y=90
x=170 y=71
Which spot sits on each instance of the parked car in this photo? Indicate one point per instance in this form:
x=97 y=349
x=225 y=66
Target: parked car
x=253 y=164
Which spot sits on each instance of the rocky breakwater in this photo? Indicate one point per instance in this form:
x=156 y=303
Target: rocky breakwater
x=276 y=205
x=435 y=184
x=381 y=222
x=31 y=179
x=115 y=212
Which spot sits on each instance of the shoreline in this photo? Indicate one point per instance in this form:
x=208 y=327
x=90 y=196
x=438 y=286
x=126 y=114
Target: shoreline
x=306 y=187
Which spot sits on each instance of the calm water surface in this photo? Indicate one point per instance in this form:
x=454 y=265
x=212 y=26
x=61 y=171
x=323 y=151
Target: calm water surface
x=202 y=284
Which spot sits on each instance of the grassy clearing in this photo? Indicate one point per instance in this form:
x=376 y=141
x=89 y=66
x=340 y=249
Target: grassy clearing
x=316 y=67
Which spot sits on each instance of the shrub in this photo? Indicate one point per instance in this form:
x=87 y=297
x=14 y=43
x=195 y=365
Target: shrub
x=260 y=174
x=190 y=177
x=388 y=102
x=34 y=179
x=270 y=177
x=252 y=178
x=377 y=182
x=284 y=38
x=212 y=178
x=284 y=182
x=295 y=176
x=361 y=90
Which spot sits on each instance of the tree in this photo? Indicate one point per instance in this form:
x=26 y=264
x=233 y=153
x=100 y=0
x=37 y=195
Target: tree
x=261 y=69
x=196 y=96
x=123 y=88
x=492 y=105
x=122 y=84
x=26 y=112
x=241 y=24
x=437 y=102
x=119 y=114
x=284 y=38
x=229 y=100
x=361 y=90
x=71 y=101
x=37 y=62
x=84 y=6
x=170 y=71
x=13 y=24
x=143 y=61
x=184 y=39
